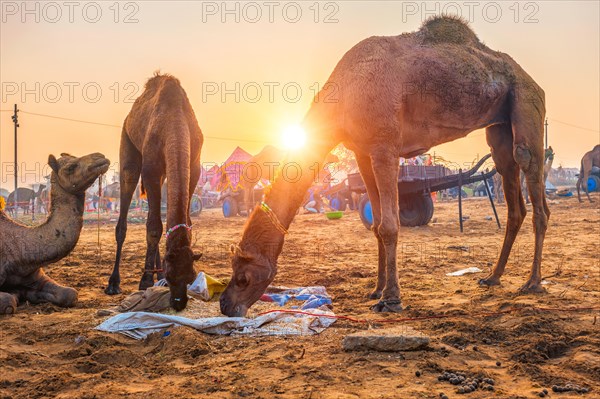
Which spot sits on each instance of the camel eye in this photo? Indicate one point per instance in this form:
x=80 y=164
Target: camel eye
x=71 y=168
x=241 y=280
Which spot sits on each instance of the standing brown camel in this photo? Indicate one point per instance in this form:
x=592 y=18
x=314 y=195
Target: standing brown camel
x=589 y=160
x=398 y=96
x=161 y=139
x=25 y=196
x=25 y=250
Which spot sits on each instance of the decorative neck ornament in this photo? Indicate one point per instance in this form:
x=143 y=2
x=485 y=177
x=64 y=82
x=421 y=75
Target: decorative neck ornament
x=273 y=218
x=172 y=229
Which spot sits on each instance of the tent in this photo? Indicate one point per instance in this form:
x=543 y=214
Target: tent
x=230 y=171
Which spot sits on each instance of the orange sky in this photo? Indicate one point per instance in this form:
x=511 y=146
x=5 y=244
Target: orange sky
x=189 y=40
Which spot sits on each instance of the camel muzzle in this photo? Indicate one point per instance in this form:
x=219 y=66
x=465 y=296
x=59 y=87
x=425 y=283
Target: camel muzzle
x=179 y=298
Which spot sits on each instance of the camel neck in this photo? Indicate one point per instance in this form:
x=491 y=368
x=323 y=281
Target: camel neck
x=57 y=236
x=283 y=198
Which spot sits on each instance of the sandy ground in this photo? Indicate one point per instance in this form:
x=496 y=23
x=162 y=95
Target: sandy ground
x=48 y=352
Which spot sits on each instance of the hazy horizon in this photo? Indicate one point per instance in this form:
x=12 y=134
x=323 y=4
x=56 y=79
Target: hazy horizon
x=92 y=71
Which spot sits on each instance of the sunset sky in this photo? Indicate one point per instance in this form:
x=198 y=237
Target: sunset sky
x=191 y=41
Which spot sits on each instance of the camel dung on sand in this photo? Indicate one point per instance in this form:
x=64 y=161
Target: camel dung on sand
x=25 y=250
x=589 y=160
x=161 y=140
x=396 y=97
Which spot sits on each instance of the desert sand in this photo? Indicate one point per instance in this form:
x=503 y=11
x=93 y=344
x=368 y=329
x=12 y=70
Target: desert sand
x=49 y=352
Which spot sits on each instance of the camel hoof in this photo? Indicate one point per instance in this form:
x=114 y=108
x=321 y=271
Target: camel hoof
x=375 y=295
x=489 y=282
x=387 y=306
x=532 y=288
x=112 y=289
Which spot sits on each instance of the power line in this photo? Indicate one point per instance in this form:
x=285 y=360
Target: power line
x=69 y=119
x=575 y=126
x=118 y=126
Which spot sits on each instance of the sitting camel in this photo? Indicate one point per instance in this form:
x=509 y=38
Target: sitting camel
x=397 y=97
x=161 y=139
x=25 y=250
x=589 y=160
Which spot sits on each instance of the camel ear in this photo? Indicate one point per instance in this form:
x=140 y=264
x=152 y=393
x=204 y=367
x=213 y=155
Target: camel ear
x=53 y=163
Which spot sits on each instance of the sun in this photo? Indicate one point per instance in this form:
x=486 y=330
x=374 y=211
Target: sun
x=293 y=137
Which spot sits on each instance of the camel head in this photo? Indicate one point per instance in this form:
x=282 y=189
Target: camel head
x=252 y=274
x=179 y=272
x=75 y=175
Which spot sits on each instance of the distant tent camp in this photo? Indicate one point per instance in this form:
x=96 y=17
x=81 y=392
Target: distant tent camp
x=231 y=170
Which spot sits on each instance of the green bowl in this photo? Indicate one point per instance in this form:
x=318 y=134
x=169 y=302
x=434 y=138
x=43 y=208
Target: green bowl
x=334 y=215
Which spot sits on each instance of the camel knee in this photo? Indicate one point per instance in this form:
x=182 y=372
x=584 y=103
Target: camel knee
x=522 y=156
x=388 y=232
x=516 y=218
x=540 y=221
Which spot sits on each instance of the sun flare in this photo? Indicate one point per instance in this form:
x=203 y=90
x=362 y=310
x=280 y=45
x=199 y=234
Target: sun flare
x=293 y=137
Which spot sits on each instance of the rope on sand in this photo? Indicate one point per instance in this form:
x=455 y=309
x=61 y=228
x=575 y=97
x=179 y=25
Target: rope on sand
x=440 y=316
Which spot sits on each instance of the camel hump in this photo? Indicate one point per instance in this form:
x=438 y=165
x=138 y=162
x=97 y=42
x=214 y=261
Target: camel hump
x=155 y=81
x=447 y=29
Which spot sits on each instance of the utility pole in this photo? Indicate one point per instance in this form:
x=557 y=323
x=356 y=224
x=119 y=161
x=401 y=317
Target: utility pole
x=546 y=125
x=15 y=119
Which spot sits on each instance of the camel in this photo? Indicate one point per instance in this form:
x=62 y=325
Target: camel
x=259 y=167
x=161 y=139
x=24 y=198
x=589 y=160
x=25 y=250
x=398 y=96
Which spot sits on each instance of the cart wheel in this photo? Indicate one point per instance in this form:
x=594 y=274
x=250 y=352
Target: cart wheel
x=365 y=211
x=230 y=207
x=195 y=206
x=593 y=183
x=415 y=209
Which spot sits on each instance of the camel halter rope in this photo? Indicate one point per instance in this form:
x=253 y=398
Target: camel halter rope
x=273 y=218
x=98 y=212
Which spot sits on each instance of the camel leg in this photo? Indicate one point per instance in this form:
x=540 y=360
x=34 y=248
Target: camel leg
x=194 y=176
x=158 y=265
x=131 y=165
x=578 y=185
x=154 y=226
x=366 y=171
x=499 y=138
x=529 y=154
x=584 y=181
x=385 y=169
x=45 y=289
x=8 y=303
